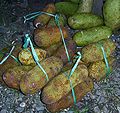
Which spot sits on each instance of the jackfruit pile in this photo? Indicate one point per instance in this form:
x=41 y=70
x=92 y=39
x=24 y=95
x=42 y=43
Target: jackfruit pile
x=91 y=39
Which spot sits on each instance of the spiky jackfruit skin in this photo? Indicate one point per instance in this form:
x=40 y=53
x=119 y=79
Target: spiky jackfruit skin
x=35 y=79
x=67 y=100
x=92 y=35
x=62 y=21
x=60 y=85
x=111 y=12
x=61 y=52
x=98 y=70
x=10 y=62
x=12 y=76
x=85 y=6
x=66 y=8
x=52 y=49
x=26 y=58
x=43 y=19
x=93 y=52
x=48 y=36
x=84 y=21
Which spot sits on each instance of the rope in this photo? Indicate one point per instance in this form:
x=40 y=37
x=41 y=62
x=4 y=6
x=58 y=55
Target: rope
x=58 y=24
x=106 y=61
x=35 y=56
x=78 y=57
x=9 y=54
x=76 y=64
x=35 y=14
x=27 y=41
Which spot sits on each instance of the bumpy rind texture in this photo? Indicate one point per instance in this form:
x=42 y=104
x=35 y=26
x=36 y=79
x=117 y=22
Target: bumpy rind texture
x=91 y=35
x=13 y=76
x=93 y=52
x=43 y=19
x=84 y=21
x=111 y=11
x=10 y=62
x=98 y=70
x=52 y=49
x=75 y=1
x=85 y=6
x=35 y=79
x=67 y=101
x=60 y=85
x=62 y=21
x=66 y=8
x=61 y=53
x=47 y=37
x=26 y=57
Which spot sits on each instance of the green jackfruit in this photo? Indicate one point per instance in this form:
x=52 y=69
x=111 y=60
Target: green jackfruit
x=85 y=6
x=67 y=101
x=62 y=21
x=91 y=35
x=84 y=21
x=111 y=11
x=93 y=52
x=76 y=1
x=59 y=86
x=66 y=8
x=35 y=79
x=98 y=70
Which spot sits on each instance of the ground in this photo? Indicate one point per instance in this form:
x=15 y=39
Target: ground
x=105 y=98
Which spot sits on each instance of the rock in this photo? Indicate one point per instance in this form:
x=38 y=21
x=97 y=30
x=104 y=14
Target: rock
x=97 y=110
x=20 y=109
x=22 y=104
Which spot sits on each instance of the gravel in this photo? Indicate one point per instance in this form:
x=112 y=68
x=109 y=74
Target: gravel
x=105 y=97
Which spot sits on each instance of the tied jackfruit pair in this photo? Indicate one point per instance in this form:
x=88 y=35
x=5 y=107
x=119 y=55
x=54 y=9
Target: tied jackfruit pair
x=37 y=62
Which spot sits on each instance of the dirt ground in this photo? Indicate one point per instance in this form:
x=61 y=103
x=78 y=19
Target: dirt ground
x=105 y=98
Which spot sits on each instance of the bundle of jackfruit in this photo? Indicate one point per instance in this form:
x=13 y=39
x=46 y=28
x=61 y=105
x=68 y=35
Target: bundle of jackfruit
x=92 y=36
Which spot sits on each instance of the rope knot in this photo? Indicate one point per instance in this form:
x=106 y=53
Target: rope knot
x=57 y=19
